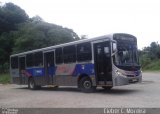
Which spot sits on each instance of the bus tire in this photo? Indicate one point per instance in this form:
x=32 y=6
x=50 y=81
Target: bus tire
x=32 y=84
x=107 y=87
x=86 y=86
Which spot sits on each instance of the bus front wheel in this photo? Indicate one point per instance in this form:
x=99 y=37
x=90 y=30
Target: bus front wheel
x=86 y=85
x=31 y=84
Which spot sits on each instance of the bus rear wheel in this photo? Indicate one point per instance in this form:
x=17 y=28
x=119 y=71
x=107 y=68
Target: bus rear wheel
x=86 y=86
x=32 y=84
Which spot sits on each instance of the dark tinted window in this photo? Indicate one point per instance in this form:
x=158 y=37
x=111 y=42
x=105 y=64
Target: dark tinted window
x=84 y=52
x=14 y=62
x=59 y=56
x=22 y=63
x=69 y=54
x=38 y=59
x=30 y=60
x=49 y=59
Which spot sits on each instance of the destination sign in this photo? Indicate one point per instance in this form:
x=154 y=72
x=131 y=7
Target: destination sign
x=121 y=37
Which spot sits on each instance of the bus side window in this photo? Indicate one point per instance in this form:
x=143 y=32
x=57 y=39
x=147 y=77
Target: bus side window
x=84 y=52
x=38 y=59
x=29 y=60
x=106 y=51
x=59 y=56
x=50 y=59
x=114 y=47
x=14 y=62
x=69 y=53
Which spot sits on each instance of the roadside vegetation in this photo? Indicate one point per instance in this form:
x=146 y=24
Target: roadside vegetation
x=19 y=33
x=150 y=57
x=5 y=78
x=153 y=66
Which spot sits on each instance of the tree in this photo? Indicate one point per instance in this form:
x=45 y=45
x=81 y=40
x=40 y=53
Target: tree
x=20 y=33
x=39 y=34
x=10 y=16
x=84 y=36
x=154 y=50
x=6 y=44
x=150 y=54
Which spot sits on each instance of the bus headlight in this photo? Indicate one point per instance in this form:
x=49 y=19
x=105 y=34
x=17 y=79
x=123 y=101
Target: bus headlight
x=119 y=73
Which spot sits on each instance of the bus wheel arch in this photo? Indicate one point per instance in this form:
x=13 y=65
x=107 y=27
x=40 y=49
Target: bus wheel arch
x=85 y=84
x=80 y=77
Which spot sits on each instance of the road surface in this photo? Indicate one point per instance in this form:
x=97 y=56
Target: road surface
x=145 y=94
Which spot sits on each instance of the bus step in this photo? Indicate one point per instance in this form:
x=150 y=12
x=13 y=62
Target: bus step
x=51 y=85
x=105 y=83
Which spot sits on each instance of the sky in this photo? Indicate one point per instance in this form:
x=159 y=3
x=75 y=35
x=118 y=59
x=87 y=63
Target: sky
x=93 y=18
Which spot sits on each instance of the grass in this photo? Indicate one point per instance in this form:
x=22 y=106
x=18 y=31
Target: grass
x=152 y=66
x=4 y=78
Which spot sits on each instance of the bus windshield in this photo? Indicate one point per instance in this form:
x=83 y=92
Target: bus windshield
x=126 y=50
x=127 y=56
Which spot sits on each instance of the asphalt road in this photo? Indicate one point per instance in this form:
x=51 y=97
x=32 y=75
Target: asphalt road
x=143 y=95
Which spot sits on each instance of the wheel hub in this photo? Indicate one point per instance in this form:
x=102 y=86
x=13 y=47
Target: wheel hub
x=87 y=84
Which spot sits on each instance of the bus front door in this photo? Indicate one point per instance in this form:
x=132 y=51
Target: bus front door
x=49 y=67
x=103 y=66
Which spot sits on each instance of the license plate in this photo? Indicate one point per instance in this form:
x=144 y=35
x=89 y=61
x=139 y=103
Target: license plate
x=134 y=80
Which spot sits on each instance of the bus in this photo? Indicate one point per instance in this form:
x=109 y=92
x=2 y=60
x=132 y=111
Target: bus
x=105 y=61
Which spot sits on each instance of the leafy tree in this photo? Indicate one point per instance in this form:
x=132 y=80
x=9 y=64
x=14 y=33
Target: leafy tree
x=10 y=16
x=84 y=36
x=38 y=34
x=6 y=44
x=20 y=33
x=154 y=50
x=149 y=55
x=36 y=19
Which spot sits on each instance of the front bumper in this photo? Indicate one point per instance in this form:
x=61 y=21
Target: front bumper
x=124 y=80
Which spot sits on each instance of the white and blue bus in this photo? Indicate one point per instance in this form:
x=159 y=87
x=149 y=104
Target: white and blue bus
x=105 y=61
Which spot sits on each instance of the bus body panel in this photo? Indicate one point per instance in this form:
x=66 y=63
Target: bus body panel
x=64 y=74
x=15 y=76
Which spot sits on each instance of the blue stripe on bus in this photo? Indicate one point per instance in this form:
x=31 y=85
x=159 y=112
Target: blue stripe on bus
x=36 y=71
x=79 y=69
x=84 y=69
x=51 y=71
